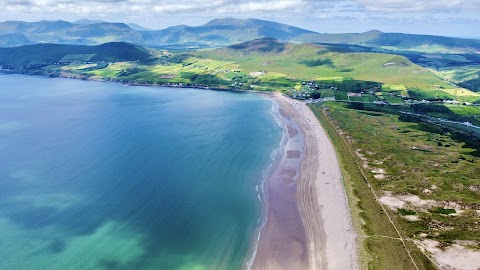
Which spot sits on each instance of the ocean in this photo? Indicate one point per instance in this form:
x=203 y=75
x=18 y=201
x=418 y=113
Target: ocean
x=100 y=175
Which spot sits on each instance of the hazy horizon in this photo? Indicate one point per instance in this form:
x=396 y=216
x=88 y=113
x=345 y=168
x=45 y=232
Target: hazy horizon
x=475 y=36
x=446 y=18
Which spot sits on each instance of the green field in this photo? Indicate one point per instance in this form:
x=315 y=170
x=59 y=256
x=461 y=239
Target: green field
x=392 y=99
x=467 y=76
x=369 y=98
x=311 y=62
x=472 y=112
x=264 y=64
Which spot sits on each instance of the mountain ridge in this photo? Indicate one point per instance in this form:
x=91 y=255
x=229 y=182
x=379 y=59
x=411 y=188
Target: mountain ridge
x=221 y=32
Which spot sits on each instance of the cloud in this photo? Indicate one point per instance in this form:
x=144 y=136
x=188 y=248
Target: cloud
x=236 y=6
x=420 y=5
x=166 y=6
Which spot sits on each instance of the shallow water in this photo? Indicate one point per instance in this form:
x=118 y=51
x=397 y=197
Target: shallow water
x=104 y=176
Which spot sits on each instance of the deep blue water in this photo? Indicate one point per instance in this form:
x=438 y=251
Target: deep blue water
x=104 y=176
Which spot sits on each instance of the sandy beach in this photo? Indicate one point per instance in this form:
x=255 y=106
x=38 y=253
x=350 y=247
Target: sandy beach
x=308 y=220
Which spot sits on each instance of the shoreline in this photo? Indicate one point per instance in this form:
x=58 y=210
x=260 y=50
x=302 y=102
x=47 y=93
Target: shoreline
x=170 y=85
x=283 y=240
x=262 y=192
x=318 y=212
x=307 y=224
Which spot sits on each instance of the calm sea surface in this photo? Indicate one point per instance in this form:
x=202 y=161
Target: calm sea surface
x=104 y=176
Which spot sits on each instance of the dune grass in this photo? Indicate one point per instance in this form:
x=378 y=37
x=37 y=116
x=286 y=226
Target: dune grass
x=416 y=157
x=378 y=247
x=434 y=163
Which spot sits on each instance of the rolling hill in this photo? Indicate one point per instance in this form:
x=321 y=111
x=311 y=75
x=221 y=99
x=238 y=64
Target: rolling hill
x=14 y=40
x=397 y=41
x=39 y=55
x=34 y=28
x=260 y=64
x=313 y=62
x=62 y=32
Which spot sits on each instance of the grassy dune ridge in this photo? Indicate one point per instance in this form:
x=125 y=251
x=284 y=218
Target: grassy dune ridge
x=405 y=158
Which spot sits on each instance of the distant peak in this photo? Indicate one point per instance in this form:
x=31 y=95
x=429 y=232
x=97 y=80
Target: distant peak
x=373 y=32
x=87 y=21
x=228 y=20
x=121 y=25
x=138 y=27
x=55 y=21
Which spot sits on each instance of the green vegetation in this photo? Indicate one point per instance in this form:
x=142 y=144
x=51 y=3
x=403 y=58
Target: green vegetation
x=417 y=158
x=263 y=64
x=41 y=55
x=392 y=142
x=435 y=162
x=406 y=212
x=387 y=133
x=380 y=249
x=296 y=63
x=396 y=41
x=467 y=76
x=443 y=211
x=302 y=71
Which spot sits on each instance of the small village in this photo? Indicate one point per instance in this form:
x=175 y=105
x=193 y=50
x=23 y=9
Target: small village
x=314 y=92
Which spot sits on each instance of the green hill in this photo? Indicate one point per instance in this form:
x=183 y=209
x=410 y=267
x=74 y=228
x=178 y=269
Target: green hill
x=33 y=28
x=47 y=54
x=397 y=41
x=261 y=64
x=61 y=32
x=14 y=40
x=311 y=62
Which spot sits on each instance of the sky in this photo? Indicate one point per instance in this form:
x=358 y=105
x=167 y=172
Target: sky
x=459 y=18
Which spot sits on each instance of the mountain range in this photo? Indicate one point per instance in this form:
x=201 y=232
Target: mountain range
x=216 y=33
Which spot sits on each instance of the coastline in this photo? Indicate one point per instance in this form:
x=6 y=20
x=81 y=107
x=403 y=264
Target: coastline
x=317 y=232
x=262 y=192
x=170 y=85
x=308 y=222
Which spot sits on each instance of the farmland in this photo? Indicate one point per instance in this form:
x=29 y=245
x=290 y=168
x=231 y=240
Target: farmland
x=264 y=65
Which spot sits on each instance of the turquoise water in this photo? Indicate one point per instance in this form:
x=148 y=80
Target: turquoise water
x=104 y=176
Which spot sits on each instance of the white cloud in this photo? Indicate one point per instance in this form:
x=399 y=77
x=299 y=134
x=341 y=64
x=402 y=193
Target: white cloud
x=239 y=6
x=420 y=5
x=166 y=6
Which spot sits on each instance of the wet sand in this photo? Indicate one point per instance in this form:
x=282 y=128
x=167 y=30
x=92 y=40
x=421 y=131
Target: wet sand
x=308 y=222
